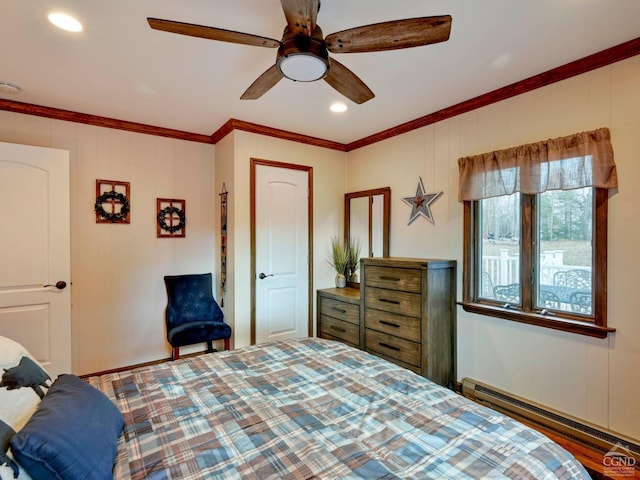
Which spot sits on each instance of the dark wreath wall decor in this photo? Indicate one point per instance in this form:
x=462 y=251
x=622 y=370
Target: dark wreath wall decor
x=112 y=202
x=171 y=217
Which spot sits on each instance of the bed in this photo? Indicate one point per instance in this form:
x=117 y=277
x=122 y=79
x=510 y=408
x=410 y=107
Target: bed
x=313 y=408
x=297 y=409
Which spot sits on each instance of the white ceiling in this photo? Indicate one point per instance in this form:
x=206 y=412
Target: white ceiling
x=120 y=68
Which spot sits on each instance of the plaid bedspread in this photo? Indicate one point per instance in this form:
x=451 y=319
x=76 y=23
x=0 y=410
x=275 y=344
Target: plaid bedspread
x=313 y=408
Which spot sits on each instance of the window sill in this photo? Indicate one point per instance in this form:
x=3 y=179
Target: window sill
x=580 y=327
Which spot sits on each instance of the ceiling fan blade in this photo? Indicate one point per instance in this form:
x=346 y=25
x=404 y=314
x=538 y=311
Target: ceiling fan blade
x=411 y=32
x=347 y=83
x=301 y=15
x=263 y=84
x=212 y=33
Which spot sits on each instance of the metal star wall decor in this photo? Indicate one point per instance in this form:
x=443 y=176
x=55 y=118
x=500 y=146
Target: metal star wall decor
x=421 y=203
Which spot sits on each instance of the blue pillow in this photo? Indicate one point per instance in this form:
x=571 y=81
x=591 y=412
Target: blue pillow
x=72 y=435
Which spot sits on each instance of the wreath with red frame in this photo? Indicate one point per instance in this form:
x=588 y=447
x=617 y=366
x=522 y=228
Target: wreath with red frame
x=120 y=216
x=162 y=219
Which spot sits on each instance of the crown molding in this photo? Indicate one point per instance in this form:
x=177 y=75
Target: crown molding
x=592 y=62
x=98 y=121
x=597 y=60
x=234 y=124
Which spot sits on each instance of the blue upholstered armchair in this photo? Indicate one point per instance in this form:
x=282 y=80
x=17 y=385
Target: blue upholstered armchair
x=192 y=314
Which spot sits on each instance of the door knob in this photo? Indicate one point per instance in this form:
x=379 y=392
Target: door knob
x=60 y=285
x=262 y=276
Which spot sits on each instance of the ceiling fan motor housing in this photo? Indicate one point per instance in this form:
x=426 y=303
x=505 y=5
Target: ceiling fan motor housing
x=303 y=58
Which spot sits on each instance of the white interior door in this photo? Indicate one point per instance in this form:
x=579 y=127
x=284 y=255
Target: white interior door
x=282 y=253
x=35 y=252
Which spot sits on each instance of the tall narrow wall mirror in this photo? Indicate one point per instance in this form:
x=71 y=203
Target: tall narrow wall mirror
x=366 y=219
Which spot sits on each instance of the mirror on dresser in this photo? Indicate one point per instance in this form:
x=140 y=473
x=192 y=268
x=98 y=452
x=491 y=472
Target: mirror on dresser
x=366 y=218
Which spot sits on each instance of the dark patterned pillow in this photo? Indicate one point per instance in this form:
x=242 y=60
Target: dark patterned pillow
x=23 y=384
x=72 y=435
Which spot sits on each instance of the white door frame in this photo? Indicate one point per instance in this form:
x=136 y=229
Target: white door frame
x=254 y=163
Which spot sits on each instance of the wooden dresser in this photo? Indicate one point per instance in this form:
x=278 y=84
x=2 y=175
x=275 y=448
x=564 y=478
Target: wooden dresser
x=408 y=314
x=339 y=315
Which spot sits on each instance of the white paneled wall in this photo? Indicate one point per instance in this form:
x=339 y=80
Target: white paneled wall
x=233 y=158
x=118 y=295
x=594 y=379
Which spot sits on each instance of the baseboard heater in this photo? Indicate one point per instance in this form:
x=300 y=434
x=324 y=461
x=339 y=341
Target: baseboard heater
x=560 y=423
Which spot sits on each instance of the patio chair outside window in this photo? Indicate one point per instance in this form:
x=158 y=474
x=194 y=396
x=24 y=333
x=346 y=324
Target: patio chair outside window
x=548 y=300
x=487 y=286
x=508 y=293
x=577 y=278
x=581 y=302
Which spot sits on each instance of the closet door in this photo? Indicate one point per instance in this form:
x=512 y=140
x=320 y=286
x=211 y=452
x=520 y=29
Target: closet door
x=282 y=301
x=35 y=299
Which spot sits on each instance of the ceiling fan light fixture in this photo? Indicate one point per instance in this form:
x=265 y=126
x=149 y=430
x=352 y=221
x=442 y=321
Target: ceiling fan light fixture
x=303 y=67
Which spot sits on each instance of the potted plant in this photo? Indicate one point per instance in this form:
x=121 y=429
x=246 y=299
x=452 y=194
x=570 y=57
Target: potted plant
x=355 y=244
x=339 y=260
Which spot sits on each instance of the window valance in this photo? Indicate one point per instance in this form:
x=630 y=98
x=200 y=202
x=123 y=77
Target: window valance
x=580 y=160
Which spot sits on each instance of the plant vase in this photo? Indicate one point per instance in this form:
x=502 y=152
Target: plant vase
x=339 y=260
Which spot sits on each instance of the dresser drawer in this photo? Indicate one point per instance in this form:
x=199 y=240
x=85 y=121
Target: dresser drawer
x=338 y=329
x=402 y=303
x=404 y=279
x=340 y=310
x=393 y=324
x=414 y=368
x=393 y=347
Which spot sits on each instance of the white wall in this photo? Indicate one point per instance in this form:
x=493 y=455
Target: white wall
x=594 y=379
x=233 y=158
x=225 y=174
x=118 y=296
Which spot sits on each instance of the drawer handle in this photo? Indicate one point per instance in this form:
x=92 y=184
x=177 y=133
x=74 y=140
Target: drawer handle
x=395 y=302
x=339 y=310
x=390 y=324
x=386 y=345
x=341 y=330
x=391 y=279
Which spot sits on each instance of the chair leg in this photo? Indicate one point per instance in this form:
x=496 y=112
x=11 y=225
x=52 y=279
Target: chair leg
x=226 y=344
x=175 y=353
x=210 y=346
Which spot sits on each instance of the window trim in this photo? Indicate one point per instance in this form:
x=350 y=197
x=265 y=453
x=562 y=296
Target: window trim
x=526 y=313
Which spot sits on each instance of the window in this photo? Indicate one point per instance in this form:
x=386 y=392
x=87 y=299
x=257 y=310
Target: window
x=535 y=227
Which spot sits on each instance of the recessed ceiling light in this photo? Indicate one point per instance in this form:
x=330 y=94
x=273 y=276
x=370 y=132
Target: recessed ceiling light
x=338 y=107
x=65 y=22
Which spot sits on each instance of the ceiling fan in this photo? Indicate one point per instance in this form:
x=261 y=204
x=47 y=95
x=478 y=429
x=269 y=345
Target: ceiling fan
x=303 y=53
